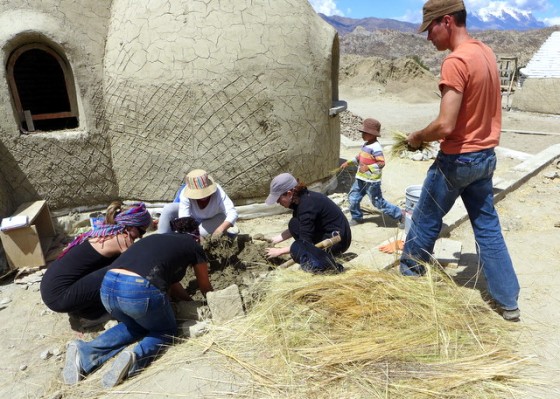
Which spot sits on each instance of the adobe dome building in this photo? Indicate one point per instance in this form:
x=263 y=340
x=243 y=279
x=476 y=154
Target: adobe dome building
x=110 y=99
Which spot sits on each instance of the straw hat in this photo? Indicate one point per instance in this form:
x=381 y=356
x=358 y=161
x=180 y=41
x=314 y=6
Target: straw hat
x=199 y=185
x=371 y=126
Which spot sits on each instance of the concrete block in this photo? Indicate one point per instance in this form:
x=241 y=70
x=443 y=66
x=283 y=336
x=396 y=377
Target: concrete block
x=448 y=252
x=193 y=328
x=225 y=304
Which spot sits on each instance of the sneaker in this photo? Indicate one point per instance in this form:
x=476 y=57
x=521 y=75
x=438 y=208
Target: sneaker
x=119 y=370
x=355 y=222
x=511 y=315
x=72 y=371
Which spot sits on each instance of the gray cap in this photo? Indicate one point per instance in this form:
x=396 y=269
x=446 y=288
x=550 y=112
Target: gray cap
x=278 y=186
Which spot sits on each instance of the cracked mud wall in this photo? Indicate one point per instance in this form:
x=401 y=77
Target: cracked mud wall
x=240 y=88
x=67 y=168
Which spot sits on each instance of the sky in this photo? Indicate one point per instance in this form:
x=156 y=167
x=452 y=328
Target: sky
x=547 y=11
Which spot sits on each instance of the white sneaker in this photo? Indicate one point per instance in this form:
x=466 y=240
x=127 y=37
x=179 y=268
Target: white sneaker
x=119 y=370
x=72 y=371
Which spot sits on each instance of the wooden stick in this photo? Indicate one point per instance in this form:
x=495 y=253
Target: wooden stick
x=329 y=242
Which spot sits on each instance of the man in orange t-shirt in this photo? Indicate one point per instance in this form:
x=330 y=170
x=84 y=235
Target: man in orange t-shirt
x=468 y=127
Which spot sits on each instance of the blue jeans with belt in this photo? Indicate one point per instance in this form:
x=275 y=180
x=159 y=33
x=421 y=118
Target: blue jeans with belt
x=469 y=176
x=144 y=314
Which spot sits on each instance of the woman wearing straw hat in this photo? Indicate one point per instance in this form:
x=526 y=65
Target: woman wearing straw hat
x=205 y=201
x=71 y=283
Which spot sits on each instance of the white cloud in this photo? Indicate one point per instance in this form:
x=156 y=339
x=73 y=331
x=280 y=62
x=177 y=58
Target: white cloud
x=327 y=7
x=552 y=21
x=521 y=5
x=414 y=16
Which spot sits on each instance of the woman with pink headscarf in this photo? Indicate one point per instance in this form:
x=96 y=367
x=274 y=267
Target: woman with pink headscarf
x=71 y=283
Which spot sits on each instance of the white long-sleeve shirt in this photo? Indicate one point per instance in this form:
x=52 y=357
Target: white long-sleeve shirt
x=219 y=203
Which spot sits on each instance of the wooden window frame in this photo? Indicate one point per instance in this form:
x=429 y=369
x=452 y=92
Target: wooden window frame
x=24 y=115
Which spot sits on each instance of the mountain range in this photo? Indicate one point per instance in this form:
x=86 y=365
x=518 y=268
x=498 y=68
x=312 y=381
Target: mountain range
x=498 y=19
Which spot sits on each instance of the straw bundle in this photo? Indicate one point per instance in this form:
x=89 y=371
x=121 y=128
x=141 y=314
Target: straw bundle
x=360 y=334
x=400 y=144
x=366 y=334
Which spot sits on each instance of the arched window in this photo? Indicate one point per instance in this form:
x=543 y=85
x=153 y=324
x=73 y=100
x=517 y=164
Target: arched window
x=42 y=87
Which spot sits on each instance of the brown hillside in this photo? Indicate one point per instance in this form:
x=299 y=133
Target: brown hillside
x=394 y=45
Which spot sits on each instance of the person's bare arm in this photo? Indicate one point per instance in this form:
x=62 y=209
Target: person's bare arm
x=177 y=292
x=202 y=278
x=445 y=122
x=281 y=237
x=221 y=229
x=275 y=252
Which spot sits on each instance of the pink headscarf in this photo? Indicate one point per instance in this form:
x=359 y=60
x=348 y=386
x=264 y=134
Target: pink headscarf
x=136 y=216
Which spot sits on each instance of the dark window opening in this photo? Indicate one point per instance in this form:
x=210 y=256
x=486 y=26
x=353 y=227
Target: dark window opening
x=42 y=89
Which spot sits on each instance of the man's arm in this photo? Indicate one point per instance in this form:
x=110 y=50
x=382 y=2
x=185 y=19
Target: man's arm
x=178 y=293
x=445 y=122
x=201 y=274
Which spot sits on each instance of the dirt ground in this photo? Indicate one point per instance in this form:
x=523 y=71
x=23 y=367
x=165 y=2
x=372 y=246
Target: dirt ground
x=34 y=338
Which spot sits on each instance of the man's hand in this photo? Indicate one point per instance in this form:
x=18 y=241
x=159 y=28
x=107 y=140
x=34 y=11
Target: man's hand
x=344 y=165
x=414 y=141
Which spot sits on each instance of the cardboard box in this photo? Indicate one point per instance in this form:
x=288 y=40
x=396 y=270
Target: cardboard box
x=26 y=246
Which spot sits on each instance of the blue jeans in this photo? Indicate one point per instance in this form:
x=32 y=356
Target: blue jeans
x=313 y=259
x=359 y=189
x=145 y=315
x=469 y=176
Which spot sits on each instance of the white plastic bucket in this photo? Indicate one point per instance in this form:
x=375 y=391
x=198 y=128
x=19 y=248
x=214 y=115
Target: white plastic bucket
x=412 y=195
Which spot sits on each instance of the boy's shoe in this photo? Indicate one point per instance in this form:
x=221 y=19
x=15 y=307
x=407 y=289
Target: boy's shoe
x=355 y=222
x=511 y=315
x=119 y=370
x=72 y=371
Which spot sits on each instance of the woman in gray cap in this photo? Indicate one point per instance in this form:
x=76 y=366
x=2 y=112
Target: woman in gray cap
x=315 y=218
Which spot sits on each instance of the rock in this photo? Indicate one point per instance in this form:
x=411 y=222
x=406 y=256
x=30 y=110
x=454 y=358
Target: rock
x=417 y=157
x=23 y=367
x=225 y=304
x=550 y=175
x=4 y=303
x=46 y=354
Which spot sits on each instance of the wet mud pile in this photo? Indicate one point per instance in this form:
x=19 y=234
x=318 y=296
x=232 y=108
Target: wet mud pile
x=239 y=261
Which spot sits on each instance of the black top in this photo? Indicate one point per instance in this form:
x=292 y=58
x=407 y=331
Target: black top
x=162 y=259
x=318 y=218
x=78 y=262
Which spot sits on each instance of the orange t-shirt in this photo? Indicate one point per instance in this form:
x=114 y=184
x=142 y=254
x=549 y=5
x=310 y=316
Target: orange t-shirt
x=472 y=70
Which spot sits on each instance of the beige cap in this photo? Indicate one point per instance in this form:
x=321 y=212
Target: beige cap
x=434 y=9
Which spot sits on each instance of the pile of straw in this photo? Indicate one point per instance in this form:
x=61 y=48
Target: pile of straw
x=366 y=334
x=400 y=144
